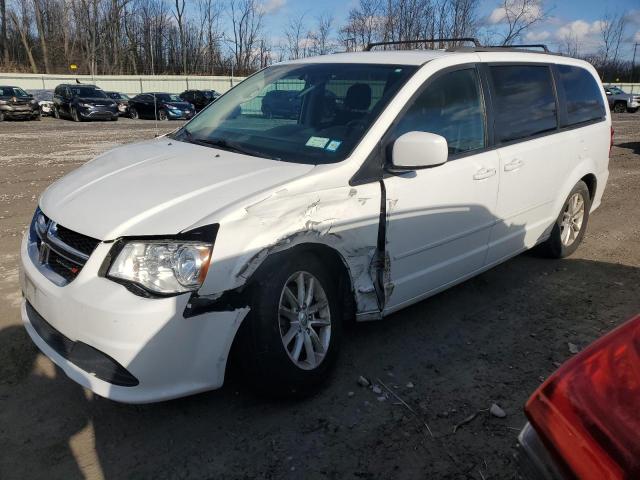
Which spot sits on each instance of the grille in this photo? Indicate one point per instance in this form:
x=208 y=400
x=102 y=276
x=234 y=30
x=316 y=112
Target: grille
x=60 y=250
x=76 y=240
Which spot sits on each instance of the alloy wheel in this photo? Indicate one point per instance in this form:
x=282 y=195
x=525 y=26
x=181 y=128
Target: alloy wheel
x=572 y=219
x=304 y=319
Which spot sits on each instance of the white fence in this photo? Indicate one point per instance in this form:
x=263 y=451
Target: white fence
x=134 y=84
x=129 y=84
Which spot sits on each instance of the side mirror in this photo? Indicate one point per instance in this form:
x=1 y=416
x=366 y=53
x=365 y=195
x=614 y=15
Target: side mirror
x=415 y=150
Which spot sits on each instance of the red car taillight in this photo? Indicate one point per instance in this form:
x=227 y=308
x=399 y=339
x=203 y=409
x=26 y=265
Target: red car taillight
x=588 y=412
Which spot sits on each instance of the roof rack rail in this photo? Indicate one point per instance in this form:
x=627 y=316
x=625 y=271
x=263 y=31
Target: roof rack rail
x=423 y=40
x=531 y=45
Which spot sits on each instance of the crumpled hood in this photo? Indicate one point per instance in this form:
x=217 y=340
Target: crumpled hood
x=159 y=187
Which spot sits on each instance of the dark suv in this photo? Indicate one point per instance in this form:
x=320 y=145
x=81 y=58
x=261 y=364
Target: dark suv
x=162 y=106
x=83 y=102
x=16 y=103
x=199 y=98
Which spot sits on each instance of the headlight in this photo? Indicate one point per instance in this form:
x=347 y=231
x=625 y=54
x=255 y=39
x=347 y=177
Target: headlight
x=85 y=105
x=163 y=267
x=172 y=107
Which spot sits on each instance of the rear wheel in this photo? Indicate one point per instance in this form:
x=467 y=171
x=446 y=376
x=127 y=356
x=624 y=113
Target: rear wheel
x=569 y=229
x=292 y=337
x=620 y=107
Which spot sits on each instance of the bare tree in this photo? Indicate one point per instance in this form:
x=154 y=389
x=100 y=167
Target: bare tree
x=4 y=51
x=519 y=16
x=612 y=29
x=295 y=33
x=246 y=21
x=320 y=37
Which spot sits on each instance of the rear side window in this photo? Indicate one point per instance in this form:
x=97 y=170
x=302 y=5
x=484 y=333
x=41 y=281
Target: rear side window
x=525 y=103
x=582 y=93
x=450 y=106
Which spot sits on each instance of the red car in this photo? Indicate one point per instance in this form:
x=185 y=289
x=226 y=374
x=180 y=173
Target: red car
x=584 y=421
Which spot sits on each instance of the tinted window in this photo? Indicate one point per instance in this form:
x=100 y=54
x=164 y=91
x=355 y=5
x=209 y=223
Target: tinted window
x=584 y=100
x=450 y=106
x=524 y=101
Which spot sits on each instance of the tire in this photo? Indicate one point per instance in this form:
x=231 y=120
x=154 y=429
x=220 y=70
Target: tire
x=632 y=110
x=162 y=115
x=56 y=113
x=75 y=116
x=114 y=119
x=1 y=116
x=620 y=107
x=38 y=117
x=133 y=114
x=563 y=242
x=277 y=370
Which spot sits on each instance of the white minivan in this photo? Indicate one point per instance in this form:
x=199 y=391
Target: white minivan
x=314 y=192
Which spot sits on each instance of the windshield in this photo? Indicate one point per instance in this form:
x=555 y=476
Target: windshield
x=616 y=90
x=168 y=97
x=87 y=92
x=13 y=92
x=118 y=96
x=309 y=113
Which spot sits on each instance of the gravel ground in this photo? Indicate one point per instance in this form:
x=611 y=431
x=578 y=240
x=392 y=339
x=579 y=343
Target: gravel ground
x=491 y=339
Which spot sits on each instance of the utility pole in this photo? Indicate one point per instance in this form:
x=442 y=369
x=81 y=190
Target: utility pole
x=633 y=65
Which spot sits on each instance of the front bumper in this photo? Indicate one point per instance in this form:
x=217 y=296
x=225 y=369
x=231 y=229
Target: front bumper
x=180 y=114
x=25 y=111
x=168 y=355
x=97 y=113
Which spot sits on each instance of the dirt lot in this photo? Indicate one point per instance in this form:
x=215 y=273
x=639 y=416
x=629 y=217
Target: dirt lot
x=491 y=339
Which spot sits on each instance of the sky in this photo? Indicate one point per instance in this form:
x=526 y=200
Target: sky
x=578 y=18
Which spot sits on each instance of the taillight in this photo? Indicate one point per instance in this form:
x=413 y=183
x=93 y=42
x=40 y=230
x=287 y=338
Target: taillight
x=587 y=412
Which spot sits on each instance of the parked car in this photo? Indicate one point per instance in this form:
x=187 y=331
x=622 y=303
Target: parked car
x=621 y=101
x=142 y=268
x=81 y=102
x=199 y=98
x=122 y=99
x=161 y=106
x=282 y=103
x=45 y=101
x=15 y=103
x=583 y=420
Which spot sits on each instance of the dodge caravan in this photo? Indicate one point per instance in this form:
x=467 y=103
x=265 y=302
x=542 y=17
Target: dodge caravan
x=401 y=174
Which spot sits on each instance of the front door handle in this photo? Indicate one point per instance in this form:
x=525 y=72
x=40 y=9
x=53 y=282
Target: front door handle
x=514 y=164
x=484 y=173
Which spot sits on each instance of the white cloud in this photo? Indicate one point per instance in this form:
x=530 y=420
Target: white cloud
x=636 y=37
x=273 y=6
x=537 y=36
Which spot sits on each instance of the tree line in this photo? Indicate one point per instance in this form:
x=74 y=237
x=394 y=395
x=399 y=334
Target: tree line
x=225 y=37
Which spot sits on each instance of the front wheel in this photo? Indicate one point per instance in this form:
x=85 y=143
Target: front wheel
x=75 y=116
x=162 y=115
x=571 y=224
x=293 y=333
x=632 y=110
x=133 y=114
x=56 y=113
